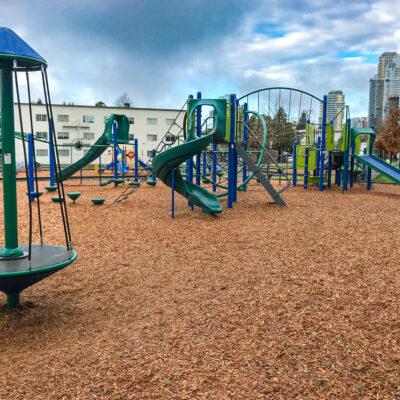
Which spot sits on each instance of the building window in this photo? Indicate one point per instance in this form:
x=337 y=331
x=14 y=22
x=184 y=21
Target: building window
x=149 y=153
x=41 y=135
x=151 y=121
x=169 y=137
x=131 y=136
x=63 y=152
x=88 y=135
x=41 y=117
x=42 y=152
x=169 y=121
x=152 y=138
x=88 y=119
x=62 y=118
x=62 y=135
x=131 y=121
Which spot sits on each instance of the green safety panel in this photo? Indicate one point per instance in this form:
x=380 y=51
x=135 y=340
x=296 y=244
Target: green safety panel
x=300 y=157
x=330 y=138
x=219 y=106
x=356 y=134
x=122 y=130
x=342 y=142
x=310 y=135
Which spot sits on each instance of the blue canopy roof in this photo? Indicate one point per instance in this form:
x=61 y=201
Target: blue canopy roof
x=14 y=48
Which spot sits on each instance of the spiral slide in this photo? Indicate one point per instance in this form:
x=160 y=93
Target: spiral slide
x=169 y=160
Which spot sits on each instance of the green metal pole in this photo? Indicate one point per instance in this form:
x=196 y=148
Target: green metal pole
x=11 y=248
x=13 y=300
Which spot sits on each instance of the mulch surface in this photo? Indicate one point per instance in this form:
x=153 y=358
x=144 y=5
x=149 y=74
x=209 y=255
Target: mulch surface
x=257 y=303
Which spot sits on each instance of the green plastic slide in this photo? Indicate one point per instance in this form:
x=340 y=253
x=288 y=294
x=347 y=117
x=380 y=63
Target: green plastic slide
x=105 y=140
x=165 y=162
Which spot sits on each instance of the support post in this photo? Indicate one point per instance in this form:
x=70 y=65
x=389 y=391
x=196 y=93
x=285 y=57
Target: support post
x=198 y=134
x=153 y=172
x=352 y=151
x=329 y=169
x=323 y=144
x=13 y=300
x=294 y=168
x=245 y=122
x=31 y=167
x=369 y=170
x=306 y=154
x=136 y=172
x=346 y=155
x=11 y=248
x=52 y=161
x=214 y=167
x=115 y=144
x=189 y=165
x=173 y=193
x=231 y=152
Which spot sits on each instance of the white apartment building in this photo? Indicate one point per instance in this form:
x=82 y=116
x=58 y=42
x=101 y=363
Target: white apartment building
x=86 y=123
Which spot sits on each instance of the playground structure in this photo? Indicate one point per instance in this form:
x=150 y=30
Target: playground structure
x=216 y=151
x=322 y=157
x=24 y=265
x=115 y=134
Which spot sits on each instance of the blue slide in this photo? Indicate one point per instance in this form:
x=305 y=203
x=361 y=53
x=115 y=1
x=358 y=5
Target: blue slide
x=380 y=166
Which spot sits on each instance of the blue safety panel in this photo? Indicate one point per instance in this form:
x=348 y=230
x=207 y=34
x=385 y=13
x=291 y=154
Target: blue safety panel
x=12 y=45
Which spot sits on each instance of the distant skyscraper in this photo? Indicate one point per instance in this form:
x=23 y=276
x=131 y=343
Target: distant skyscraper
x=391 y=84
x=372 y=100
x=377 y=85
x=384 y=60
x=335 y=111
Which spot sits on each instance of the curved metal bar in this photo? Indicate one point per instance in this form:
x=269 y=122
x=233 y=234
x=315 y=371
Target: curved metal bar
x=280 y=88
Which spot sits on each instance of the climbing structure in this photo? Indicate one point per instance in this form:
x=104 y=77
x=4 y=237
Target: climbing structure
x=230 y=128
x=22 y=265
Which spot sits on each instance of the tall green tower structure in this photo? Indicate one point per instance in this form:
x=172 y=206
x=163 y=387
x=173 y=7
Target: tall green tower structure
x=20 y=265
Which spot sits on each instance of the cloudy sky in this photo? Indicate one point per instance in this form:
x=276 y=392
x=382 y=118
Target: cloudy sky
x=159 y=51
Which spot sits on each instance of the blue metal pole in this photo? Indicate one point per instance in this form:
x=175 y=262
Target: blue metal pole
x=352 y=151
x=31 y=167
x=235 y=153
x=173 y=194
x=245 y=122
x=204 y=161
x=346 y=155
x=329 y=169
x=52 y=161
x=316 y=171
x=323 y=143
x=214 y=167
x=136 y=173
x=153 y=172
x=294 y=169
x=115 y=143
x=306 y=153
x=198 y=133
x=231 y=152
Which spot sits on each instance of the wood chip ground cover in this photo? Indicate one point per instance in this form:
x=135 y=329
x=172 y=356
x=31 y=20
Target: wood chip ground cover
x=257 y=303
